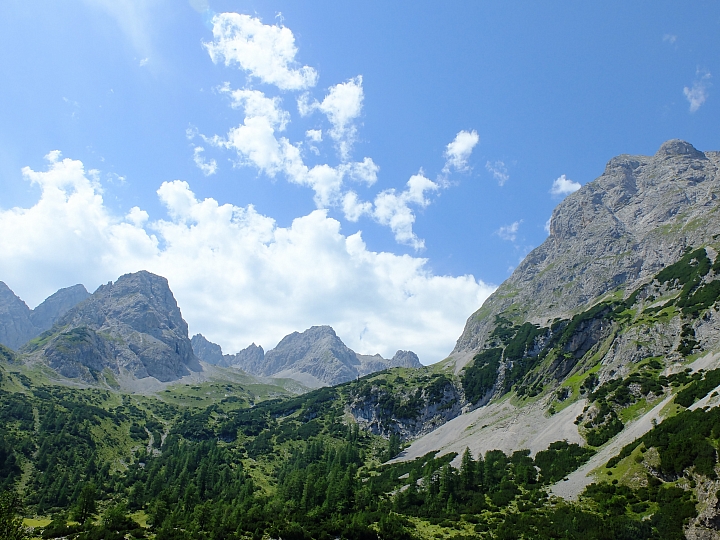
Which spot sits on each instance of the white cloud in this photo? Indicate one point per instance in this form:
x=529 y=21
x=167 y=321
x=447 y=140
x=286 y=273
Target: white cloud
x=698 y=94
x=144 y=61
x=266 y=52
x=458 y=151
x=393 y=209
x=365 y=171
x=342 y=106
x=499 y=172
x=546 y=228
x=564 y=186
x=257 y=141
x=255 y=104
x=509 y=232
x=670 y=38
x=353 y=208
x=207 y=167
x=237 y=276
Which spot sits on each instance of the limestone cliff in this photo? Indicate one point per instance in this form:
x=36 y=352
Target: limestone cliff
x=19 y=323
x=608 y=237
x=132 y=327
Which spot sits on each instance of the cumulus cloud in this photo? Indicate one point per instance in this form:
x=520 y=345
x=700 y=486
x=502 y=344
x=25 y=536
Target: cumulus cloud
x=393 y=209
x=499 y=172
x=698 y=93
x=564 y=186
x=259 y=140
x=342 y=106
x=266 y=52
x=353 y=208
x=458 y=151
x=207 y=167
x=365 y=171
x=257 y=104
x=509 y=232
x=238 y=276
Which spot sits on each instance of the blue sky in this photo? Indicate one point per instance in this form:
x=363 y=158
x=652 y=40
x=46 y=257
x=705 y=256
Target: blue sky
x=374 y=166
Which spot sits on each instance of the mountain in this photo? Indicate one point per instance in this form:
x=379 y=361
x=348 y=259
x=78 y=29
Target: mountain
x=316 y=357
x=607 y=238
x=206 y=350
x=130 y=328
x=19 y=323
x=601 y=325
x=57 y=305
x=16 y=327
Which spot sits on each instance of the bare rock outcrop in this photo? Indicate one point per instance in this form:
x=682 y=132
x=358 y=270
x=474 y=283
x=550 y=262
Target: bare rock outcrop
x=131 y=327
x=19 y=323
x=315 y=357
x=16 y=327
x=608 y=237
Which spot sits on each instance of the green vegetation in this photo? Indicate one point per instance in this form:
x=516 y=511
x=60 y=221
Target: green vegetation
x=480 y=377
x=698 y=388
x=11 y=523
x=298 y=468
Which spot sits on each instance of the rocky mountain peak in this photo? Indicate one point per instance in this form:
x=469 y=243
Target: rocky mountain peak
x=131 y=327
x=406 y=359
x=616 y=231
x=15 y=324
x=19 y=323
x=205 y=350
x=677 y=147
x=56 y=305
x=315 y=357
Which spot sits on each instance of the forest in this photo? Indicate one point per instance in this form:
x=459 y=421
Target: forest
x=103 y=465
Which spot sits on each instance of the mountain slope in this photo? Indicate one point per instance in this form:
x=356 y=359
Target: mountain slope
x=15 y=324
x=607 y=237
x=57 y=305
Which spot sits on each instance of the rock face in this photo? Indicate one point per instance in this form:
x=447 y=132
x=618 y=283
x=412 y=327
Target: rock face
x=16 y=327
x=250 y=359
x=19 y=323
x=206 y=351
x=316 y=357
x=132 y=327
x=404 y=359
x=57 y=305
x=608 y=237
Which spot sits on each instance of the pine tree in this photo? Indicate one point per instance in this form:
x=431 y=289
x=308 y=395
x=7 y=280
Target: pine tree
x=467 y=471
x=86 y=504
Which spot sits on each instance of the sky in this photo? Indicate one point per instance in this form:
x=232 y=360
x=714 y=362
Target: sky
x=376 y=166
